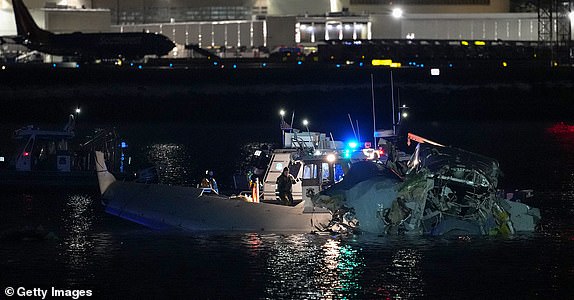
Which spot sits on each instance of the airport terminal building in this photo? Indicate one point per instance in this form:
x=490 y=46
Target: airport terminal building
x=253 y=24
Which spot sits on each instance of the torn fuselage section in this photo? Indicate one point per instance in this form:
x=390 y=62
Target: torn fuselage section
x=444 y=191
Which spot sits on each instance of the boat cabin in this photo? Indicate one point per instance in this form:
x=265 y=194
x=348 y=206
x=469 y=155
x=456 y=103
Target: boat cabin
x=315 y=160
x=43 y=150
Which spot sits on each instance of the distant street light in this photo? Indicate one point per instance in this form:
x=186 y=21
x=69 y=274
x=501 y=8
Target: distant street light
x=78 y=110
x=397 y=13
x=282 y=113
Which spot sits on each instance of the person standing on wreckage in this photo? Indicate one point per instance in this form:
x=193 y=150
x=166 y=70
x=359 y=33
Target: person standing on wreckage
x=285 y=183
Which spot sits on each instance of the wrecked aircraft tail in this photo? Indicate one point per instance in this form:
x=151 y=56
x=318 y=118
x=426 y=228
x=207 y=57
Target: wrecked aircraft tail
x=105 y=178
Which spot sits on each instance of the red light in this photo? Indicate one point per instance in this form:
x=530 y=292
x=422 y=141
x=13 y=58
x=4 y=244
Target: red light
x=561 y=128
x=26 y=153
x=381 y=152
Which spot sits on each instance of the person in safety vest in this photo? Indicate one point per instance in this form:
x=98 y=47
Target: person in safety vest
x=209 y=182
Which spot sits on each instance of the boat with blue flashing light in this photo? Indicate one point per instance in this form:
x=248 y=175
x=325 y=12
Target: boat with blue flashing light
x=315 y=160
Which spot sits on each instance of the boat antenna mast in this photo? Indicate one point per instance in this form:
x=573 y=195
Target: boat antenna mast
x=373 y=100
x=393 y=105
x=352 y=126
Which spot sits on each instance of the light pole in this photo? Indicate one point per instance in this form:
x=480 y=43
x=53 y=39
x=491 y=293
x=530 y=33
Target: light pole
x=77 y=111
x=282 y=114
x=306 y=124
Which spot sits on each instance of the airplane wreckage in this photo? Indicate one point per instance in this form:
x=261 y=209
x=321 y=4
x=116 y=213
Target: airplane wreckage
x=439 y=191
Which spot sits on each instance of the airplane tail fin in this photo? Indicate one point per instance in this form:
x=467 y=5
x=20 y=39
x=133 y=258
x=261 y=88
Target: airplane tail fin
x=25 y=24
x=105 y=178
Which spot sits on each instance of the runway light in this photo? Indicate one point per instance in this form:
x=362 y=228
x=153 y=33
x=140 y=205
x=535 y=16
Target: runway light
x=139 y=67
x=381 y=62
x=264 y=65
x=171 y=65
x=26 y=153
x=299 y=62
x=54 y=65
x=1 y=158
x=464 y=43
x=479 y=43
x=338 y=65
x=571 y=16
x=504 y=64
x=435 y=72
x=3 y=67
x=360 y=64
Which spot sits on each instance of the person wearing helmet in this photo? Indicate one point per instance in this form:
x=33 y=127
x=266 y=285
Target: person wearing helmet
x=285 y=183
x=209 y=182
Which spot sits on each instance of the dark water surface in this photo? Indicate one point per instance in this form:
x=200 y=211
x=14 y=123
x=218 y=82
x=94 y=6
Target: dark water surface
x=115 y=258
x=192 y=125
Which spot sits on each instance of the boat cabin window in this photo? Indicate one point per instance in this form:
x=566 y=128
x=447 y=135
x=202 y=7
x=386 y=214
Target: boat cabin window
x=339 y=173
x=325 y=171
x=310 y=171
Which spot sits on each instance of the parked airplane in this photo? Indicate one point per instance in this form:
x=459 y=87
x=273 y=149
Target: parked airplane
x=88 y=46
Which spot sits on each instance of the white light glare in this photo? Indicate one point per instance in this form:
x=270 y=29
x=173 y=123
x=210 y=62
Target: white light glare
x=397 y=13
x=331 y=158
x=305 y=122
x=405 y=114
x=78 y=110
x=282 y=113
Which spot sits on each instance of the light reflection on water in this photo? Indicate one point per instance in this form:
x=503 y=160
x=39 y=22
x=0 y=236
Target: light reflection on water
x=99 y=251
x=172 y=162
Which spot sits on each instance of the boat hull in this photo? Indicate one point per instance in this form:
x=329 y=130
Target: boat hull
x=171 y=207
